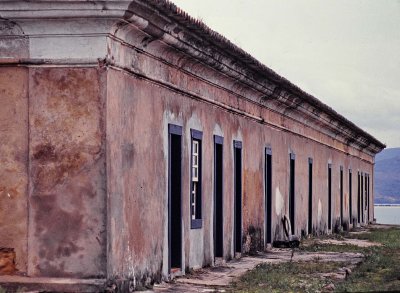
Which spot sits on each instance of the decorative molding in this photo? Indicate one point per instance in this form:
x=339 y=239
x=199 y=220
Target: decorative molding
x=46 y=31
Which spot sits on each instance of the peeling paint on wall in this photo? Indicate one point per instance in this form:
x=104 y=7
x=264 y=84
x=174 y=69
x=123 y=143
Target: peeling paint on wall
x=88 y=127
x=319 y=214
x=279 y=203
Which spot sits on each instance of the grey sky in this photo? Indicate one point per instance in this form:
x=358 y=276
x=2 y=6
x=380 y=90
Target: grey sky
x=345 y=53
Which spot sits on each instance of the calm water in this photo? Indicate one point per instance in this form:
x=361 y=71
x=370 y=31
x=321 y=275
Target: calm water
x=387 y=214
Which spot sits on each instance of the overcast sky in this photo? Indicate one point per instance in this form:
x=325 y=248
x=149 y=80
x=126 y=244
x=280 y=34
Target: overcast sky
x=345 y=53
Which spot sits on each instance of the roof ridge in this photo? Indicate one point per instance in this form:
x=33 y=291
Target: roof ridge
x=217 y=38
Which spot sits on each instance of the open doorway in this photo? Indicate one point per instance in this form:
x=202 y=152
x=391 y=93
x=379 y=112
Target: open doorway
x=329 y=196
x=292 y=203
x=237 y=152
x=368 y=199
x=341 y=196
x=175 y=198
x=362 y=197
x=310 y=195
x=350 y=198
x=268 y=195
x=358 y=198
x=218 y=197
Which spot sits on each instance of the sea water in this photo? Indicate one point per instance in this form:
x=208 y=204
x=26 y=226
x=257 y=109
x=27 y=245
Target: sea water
x=387 y=214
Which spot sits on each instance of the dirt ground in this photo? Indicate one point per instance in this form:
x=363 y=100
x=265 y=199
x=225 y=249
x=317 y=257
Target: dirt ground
x=220 y=278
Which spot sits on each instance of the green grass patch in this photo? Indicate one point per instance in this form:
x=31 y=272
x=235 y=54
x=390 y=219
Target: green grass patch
x=286 y=277
x=325 y=247
x=380 y=270
x=389 y=237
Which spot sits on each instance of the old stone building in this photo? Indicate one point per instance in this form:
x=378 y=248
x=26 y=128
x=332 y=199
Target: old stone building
x=136 y=143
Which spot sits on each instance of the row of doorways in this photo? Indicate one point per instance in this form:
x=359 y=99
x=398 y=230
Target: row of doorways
x=175 y=198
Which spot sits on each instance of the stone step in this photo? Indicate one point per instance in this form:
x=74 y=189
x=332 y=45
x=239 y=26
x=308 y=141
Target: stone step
x=36 y=284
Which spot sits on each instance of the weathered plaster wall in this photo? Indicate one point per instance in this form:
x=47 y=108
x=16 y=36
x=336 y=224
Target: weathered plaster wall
x=67 y=196
x=147 y=95
x=14 y=162
x=136 y=177
x=84 y=183
x=138 y=113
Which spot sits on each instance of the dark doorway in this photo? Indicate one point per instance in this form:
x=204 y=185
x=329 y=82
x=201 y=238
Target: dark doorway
x=350 y=198
x=358 y=198
x=368 y=198
x=175 y=195
x=362 y=197
x=341 y=195
x=365 y=196
x=237 y=148
x=291 y=192
x=218 y=197
x=310 y=195
x=329 y=196
x=268 y=195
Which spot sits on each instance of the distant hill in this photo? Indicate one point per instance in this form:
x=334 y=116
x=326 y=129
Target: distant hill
x=388 y=154
x=387 y=176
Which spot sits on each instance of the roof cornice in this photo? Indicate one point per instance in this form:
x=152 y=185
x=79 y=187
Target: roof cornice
x=163 y=21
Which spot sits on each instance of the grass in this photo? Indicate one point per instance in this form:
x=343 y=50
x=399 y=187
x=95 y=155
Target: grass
x=380 y=270
x=286 y=277
x=332 y=248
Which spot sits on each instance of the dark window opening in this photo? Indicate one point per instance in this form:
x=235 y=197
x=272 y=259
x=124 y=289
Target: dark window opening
x=341 y=195
x=268 y=195
x=218 y=197
x=350 y=198
x=310 y=195
x=291 y=193
x=329 y=196
x=238 y=196
x=175 y=194
x=195 y=180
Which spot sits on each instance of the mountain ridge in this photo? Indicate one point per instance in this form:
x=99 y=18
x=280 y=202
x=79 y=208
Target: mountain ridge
x=387 y=176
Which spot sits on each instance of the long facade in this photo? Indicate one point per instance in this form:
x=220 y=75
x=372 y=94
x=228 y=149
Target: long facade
x=136 y=144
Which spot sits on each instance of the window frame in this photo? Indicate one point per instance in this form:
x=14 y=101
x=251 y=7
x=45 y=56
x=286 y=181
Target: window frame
x=197 y=221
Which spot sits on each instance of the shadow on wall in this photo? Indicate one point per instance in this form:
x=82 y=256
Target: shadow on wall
x=253 y=240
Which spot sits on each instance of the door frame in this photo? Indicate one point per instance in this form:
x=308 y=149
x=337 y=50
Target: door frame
x=174 y=130
x=237 y=145
x=218 y=140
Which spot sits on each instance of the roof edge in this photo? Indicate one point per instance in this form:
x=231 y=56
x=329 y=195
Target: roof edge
x=230 y=48
x=240 y=64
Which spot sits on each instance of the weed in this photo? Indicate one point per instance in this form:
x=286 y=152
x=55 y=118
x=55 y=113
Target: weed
x=285 y=277
x=316 y=246
x=379 y=271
